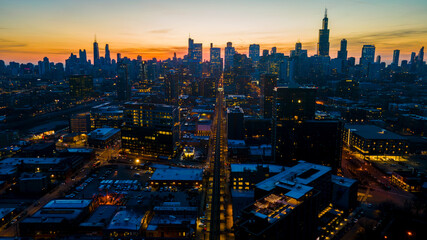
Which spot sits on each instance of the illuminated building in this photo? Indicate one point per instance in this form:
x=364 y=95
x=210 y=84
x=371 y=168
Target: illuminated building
x=245 y=176
x=323 y=44
x=107 y=54
x=103 y=137
x=268 y=83
x=215 y=59
x=373 y=141
x=105 y=115
x=81 y=86
x=410 y=181
x=150 y=129
x=254 y=52
x=229 y=52
x=80 y=123
x=396 y=54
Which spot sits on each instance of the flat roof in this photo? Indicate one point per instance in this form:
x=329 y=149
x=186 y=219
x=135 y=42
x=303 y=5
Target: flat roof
x=101 y=216
x=5 y=211
x=347 y=182
x=103 y=133
x=302 y=173
x=79 y=150
x=69 y=213
x=235 y=109
x=16 y=161
x=177 y=174
x=126 y=220
x=68 y=203
x=235 y=167
x=373 y=132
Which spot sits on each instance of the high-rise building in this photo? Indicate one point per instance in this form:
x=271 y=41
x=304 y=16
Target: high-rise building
x=229 y=52
x=81 y=86
x=396 y=54
x=342 y=53
x=150 y=129
x=82 y=56
x=107 y=54
x=254 y=53
x=368 y=55
x=273 y=50
x=378 y=59
x=268 y=83
x=123 y=85
x=95 y=52
x=119 y=57
x=80 y=123
x=235 y=123
x=292 y=105
x=323 y=45
x=195 y=57
x=215 y=59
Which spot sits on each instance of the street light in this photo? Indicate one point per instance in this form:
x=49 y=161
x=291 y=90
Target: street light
x=137 y=161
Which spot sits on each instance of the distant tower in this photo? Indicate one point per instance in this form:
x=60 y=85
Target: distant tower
x=368 y=55
x=119 y=57
x=379 y=59
x=396 y=54
x=254 y=53
x=95 y=52
x=82 y=56
x=342 y=53
x=323 y=45
x=107 y=54
x=229 y=55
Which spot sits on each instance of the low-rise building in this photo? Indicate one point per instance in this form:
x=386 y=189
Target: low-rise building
x=410 y=181
x=103 y=137
x=125 y=224
x=245 y=176
x=177 y=177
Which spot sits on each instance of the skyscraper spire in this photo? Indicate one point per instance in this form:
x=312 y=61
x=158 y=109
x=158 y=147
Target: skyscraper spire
x=323 y=44
x=326 y=13
x=95 y=37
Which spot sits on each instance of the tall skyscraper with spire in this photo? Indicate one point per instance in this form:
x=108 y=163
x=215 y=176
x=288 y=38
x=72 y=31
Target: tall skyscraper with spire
x=95 y=52
x=323 y=44
x=107 y=54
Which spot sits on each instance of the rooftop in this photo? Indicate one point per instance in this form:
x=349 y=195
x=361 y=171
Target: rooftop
x=103 y=133
x=302 y=173
x=372 y=132
x=347 y=182
x=16 y=161
x=235 y=109
x=177 y=174
x=68 y=203
x=253 y=167
x=101 y=217
x=5 y=211
x=126 y=220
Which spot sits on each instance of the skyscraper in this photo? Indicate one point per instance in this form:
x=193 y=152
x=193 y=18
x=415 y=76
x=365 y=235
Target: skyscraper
x=195 y=57
x=396 y=54
x=123 y=87
x=215 y=59
x=342 y=53
x=107 y=54
x=368 y=55
x=229 y=55
x=82 y=56
x=254 y=53
x=95 y=53
x=323 y=45
x=81 y=86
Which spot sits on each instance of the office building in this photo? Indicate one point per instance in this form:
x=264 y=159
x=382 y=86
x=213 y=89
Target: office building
x=375 y=142
x=246 y=176
x=254 y=51
x=107 y=54
x=368 y=55
x=215 y=59
x=235 y=123
x=268 y=83
x=81 y=86
x=80 y=123
x=396 y=54
x=106 y=115
x=323 y=44
x=150 y=129
x=229 y=52
x=342 y=53
x=95 y=53
x=103 y=137
x=123 y=85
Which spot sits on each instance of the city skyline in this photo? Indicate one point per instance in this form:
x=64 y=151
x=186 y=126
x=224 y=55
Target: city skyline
x=132 y=30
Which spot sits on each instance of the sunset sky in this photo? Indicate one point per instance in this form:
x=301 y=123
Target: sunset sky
x=31 y=30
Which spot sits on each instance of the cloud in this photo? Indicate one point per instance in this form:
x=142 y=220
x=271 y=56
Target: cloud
x=389 y=36
x=161 y=31
x=6 y=44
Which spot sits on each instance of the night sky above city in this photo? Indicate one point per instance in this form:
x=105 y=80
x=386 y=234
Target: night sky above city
x=31 y=30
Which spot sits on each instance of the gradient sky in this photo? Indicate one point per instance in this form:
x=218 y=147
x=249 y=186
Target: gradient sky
x=31 y=30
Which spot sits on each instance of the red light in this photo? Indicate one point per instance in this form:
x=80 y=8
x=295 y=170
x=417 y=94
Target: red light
x=409 y=233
